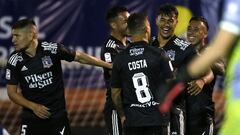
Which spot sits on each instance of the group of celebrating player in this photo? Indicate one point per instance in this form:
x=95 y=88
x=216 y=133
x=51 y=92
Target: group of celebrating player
x=136 y=82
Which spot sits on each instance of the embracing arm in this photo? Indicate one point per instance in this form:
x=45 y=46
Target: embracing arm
x=88 y=59
x=40 y=110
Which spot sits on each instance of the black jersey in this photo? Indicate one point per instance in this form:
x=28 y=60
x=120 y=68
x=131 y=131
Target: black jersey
x=108 y=52
x=139 y=71
x=179 y=51
x=40 y=77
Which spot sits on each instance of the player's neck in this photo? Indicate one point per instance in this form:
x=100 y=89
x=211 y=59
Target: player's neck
x=138 y=38
x=119 y=37
x=32 y=49
x=163 y=41
x=199 y=46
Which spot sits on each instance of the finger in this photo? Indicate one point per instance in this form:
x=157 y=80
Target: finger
x=40 y=115
x=196 y=92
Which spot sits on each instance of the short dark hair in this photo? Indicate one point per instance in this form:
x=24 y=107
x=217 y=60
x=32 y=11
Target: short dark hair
x=22 y=23
x=136 y=22
x=113 y=13
x=201 y=19
x=167 y=9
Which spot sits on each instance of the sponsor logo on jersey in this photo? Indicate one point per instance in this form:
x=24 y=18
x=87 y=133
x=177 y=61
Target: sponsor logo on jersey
x=147 y=104
x=49 y=46
x=8 y=74
x=108 y=57
x=14 y=59
x=171 y=54
x=39 y=81
x=47 y=62
x=136 y=51
x=181 y=43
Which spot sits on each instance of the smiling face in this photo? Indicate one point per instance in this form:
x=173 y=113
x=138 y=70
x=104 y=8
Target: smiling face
x=166 y=24
x=196 y=32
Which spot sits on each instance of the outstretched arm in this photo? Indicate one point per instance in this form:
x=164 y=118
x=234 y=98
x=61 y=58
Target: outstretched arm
x=87 y=59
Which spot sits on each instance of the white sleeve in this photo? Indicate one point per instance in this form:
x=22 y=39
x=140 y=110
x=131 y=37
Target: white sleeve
x=5 y=132
x=231 y=14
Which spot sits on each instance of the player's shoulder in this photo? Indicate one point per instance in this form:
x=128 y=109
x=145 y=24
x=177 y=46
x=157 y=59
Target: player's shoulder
x=51 y=47
x=181 y=43
x=14 y=58
x=111 y=43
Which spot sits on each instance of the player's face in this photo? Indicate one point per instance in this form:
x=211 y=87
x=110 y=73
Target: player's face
x=166 y=25
x=121 y=23
x=21 y=38
x=196 y=32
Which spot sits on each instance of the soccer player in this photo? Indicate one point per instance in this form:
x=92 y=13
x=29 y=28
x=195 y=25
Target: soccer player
x=36 y=67
x=138 y=72
x=180 y=53
x=200 y=108
x=117 y=41
x=225 y=43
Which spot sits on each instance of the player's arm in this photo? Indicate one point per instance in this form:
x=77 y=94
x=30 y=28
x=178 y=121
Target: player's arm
x=3 y=62
x=90 y=60
x=40 y=110
x=117 y=100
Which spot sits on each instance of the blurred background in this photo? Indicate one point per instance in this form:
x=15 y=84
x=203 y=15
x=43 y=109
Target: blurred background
x=81 y=25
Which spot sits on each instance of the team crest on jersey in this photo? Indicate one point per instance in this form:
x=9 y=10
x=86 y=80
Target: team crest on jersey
x=47 y=62
x=136 y=51
x=171 y=54
x=50 y=47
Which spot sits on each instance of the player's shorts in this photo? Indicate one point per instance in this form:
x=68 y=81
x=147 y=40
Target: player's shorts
x=56 y=126
x=200 y=129
x=151 y=130
x=177 y=121
x=112 y=120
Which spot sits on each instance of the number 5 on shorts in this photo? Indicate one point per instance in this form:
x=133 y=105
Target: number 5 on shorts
x=23 y=129
x=142 y=91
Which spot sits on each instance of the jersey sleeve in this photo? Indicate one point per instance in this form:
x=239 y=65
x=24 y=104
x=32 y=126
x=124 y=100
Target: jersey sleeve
x=12 y=75
x=166 y=65
x=109 y=55
x=190 y=54
x=66 y=53
x=231 y=15
x=115 y=79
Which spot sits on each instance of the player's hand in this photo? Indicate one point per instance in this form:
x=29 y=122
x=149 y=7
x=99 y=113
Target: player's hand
x=123 y=118
x=41 y=111
x=195 y=87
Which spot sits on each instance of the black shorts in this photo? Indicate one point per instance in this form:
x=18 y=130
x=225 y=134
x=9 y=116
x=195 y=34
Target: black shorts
x=112 y=120
x=177 y=121
x=56 y=126
x=152 y=130
x=200 y=129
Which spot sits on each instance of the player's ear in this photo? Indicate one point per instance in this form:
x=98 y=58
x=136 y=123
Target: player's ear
x=113 y=25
